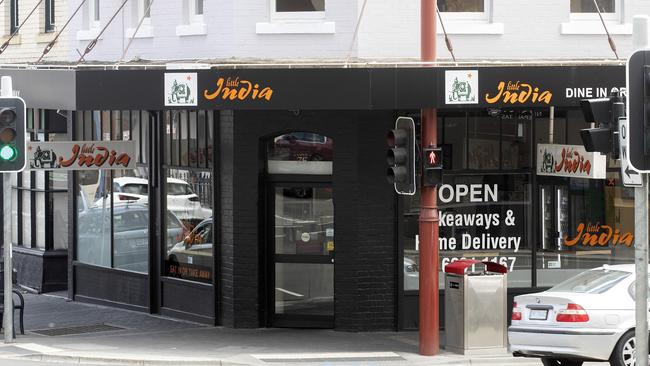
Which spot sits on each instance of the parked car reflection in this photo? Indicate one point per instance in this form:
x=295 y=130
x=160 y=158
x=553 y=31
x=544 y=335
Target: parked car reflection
x=303 y=146
x=181 y=199
x=192 y=257
x=130 y=236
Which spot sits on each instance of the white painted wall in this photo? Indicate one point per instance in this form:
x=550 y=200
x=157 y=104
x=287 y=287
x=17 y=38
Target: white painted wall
x=389 y=29
x=531 y=30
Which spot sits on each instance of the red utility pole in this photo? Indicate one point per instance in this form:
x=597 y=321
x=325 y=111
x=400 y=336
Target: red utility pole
x=429 y=298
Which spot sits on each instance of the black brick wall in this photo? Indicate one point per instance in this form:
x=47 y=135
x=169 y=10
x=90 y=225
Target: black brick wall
x=365 y=288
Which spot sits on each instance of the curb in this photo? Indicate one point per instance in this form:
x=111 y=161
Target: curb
x=121 y=361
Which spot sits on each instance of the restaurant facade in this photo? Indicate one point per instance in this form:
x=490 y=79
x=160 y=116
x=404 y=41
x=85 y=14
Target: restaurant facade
x=258 y=196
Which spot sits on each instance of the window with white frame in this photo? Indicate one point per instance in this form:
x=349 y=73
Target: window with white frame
x=193 y=21
x=297 y=9
x=464 y=9
x=584 y=18
x=49 y=16
x=586 y=9
x=296 y=17
x=93 y=12
x=468 y=17
x=14 y=19
x=91 y=21
x=141 y=15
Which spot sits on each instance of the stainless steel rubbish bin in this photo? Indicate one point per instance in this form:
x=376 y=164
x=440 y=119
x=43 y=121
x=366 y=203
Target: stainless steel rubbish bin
x=475 y=307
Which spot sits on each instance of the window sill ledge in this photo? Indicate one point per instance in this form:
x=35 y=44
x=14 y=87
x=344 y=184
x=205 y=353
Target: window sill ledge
x=16 y=40
x=305 y=27
x=45 y=37
x=87 y=34
x=193 y=29
x=595 y=27
x=470 y=27
x=145 y=31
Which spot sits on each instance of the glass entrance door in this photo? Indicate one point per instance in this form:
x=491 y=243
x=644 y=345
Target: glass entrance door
x=302 y=265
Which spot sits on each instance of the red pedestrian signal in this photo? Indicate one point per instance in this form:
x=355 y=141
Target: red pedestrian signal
x=432 y=167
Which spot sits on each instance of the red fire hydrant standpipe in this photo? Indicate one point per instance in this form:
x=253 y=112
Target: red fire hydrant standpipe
x=429 y=297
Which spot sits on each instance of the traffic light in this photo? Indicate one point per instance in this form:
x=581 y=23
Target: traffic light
x=606 y=113
x=401 y=156
x=431 y=166
x=12 y=134
x=638 y=112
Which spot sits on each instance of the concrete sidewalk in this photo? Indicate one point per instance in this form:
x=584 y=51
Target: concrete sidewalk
x=71 y=333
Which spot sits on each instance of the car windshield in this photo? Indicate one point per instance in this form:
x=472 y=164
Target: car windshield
x=135 y=188
x=178 y=189
x=591 y=282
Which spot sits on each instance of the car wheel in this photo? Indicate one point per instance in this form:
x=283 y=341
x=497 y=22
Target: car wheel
x=560 y=362
x=624 y=353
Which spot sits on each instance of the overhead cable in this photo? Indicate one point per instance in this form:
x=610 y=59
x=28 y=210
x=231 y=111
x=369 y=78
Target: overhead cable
x=612 y=45
x=450 y=48
x=146 y=11
x=93 y=43
x=53 y=42
x=6 y=44
x=356 y=31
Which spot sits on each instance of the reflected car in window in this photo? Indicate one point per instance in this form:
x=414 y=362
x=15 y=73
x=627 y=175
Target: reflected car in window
x=411 y=275
x=303 y=146
x=196 y=247
x=181 y=199
x=588 y=317
x=130 y=235
x=192 y=257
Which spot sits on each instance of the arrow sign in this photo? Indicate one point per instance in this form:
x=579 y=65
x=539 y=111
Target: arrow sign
x=631 y=177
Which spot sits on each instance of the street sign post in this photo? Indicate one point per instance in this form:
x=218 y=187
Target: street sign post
x=631 y=177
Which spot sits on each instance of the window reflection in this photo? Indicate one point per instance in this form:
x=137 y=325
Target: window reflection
x=300 y=153
x=189 y=204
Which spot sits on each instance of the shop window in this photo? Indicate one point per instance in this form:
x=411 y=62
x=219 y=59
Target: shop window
x=583 y=223
x=483 y=217
x=112 y=205
x=189 y=188
x=300 y=153
x=39 y=198
x=193 y=19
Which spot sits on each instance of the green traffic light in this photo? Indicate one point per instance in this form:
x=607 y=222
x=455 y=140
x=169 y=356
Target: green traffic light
x=8 y=153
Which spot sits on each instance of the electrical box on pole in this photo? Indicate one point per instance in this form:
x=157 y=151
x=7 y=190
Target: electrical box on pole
x=401 y=156
x=13 y=134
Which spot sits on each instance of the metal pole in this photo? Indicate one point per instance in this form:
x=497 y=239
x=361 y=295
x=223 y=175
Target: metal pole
x=429 y=297
x=6 y=90
x=640 y=40
x=7 y=314
x=641 y=268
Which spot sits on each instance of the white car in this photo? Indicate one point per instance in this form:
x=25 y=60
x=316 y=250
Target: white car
x=588 y=317
x=181 y=200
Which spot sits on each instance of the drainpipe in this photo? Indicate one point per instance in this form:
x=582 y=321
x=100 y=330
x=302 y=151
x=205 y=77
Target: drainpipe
x=429 y=298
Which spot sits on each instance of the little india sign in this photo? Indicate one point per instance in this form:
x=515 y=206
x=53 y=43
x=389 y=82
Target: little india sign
x=570 y=161
x=78 y=155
